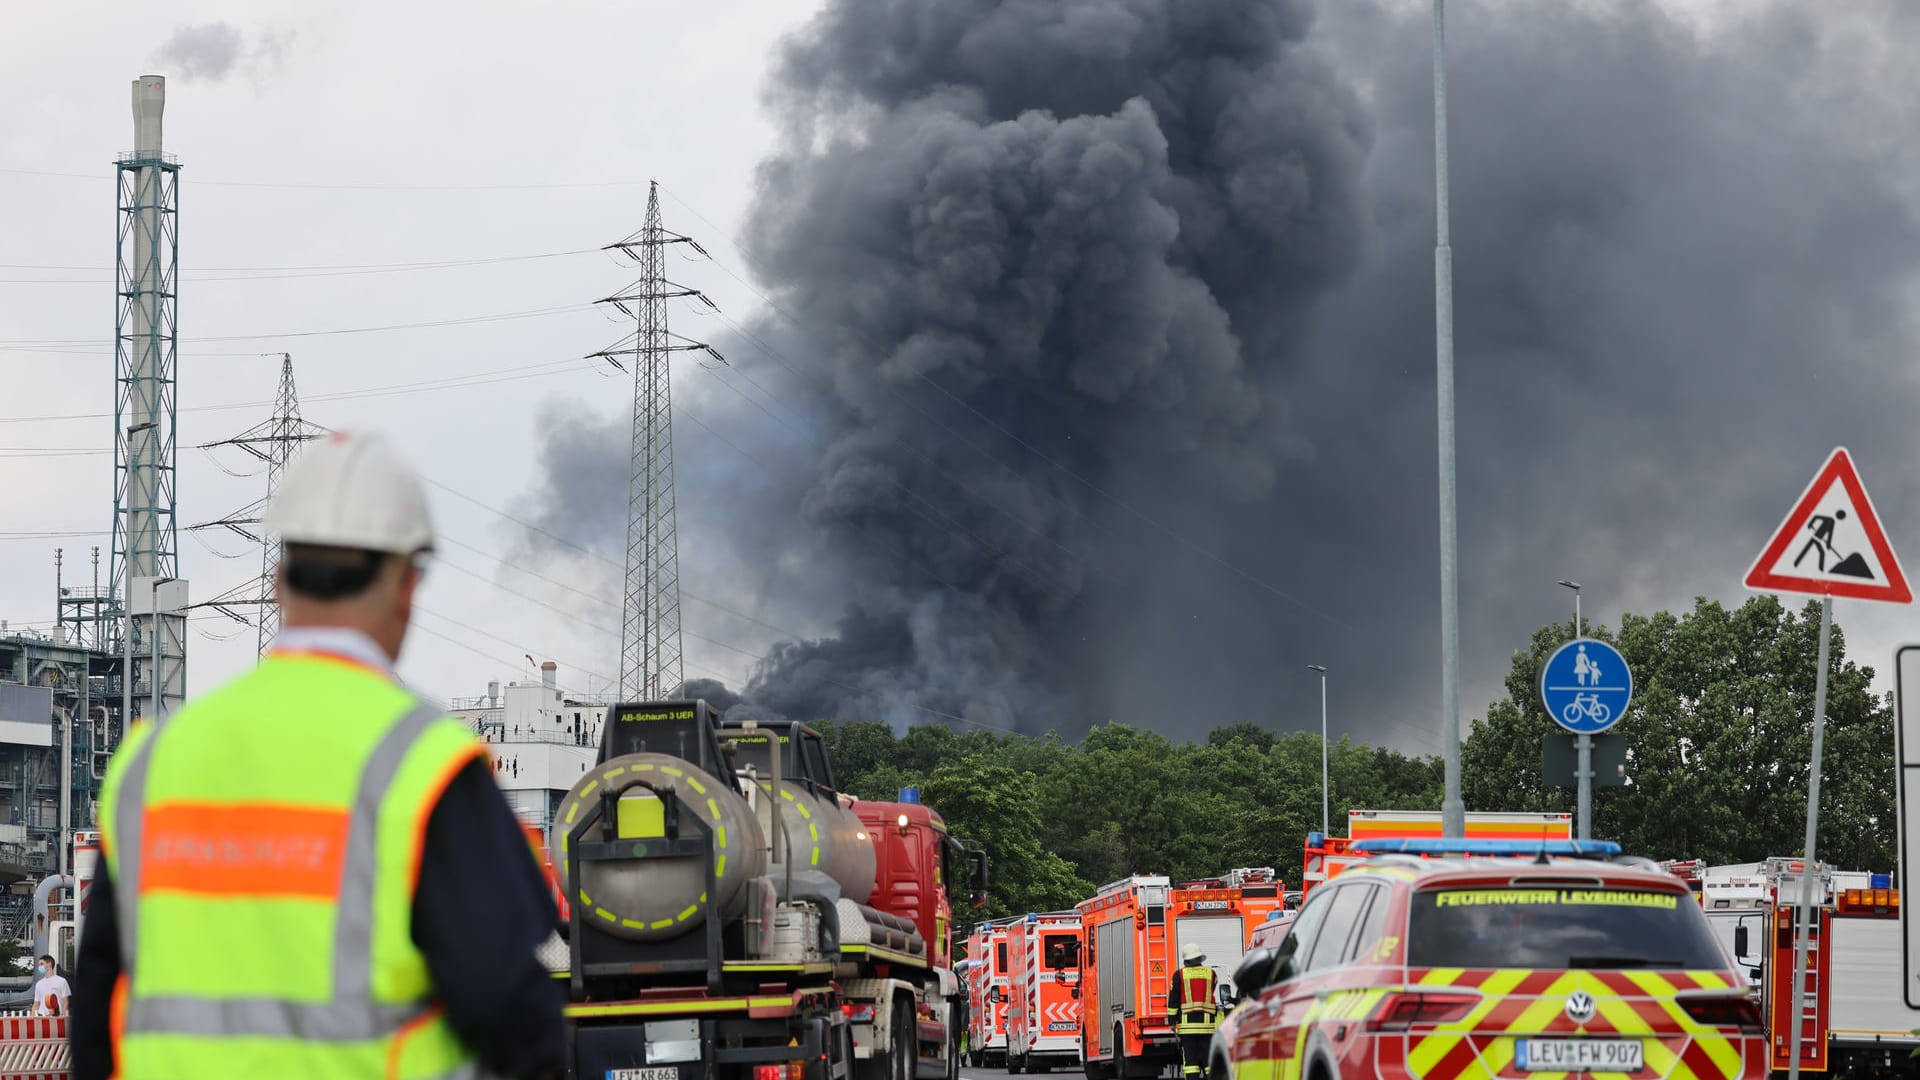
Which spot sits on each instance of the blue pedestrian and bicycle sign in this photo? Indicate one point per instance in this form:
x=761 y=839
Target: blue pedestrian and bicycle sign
x=1585 y=686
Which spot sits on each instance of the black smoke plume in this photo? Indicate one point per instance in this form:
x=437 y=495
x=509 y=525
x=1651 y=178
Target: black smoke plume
x=1106 y=331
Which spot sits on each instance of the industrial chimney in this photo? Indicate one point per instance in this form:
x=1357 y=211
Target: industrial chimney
x=550 y=675
x=144 y=564
x=149 y=102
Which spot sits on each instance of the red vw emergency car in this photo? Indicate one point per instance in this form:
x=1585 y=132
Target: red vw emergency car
x=1442 y=960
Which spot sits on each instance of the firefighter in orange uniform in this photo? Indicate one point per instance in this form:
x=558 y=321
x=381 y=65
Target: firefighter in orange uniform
x=1193 y=1003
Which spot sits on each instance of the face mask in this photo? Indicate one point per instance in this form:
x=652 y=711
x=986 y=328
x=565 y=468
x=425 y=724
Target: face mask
x=43 y=970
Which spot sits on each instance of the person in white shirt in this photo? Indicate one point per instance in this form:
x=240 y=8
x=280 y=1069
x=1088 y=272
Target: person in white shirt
x=50 y=994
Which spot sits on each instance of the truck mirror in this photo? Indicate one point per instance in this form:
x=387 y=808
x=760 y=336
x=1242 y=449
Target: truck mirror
x=1740 y=944
x=1259 y=968
x=977 y=864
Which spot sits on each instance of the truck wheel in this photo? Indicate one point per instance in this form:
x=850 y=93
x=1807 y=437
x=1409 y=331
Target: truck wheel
x=906 y=1042
x=1015 y=1065
x=953 y=1053
x=1122 y=1069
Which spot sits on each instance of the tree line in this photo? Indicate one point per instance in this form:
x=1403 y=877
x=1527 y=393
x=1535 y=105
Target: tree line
x=1718 y=738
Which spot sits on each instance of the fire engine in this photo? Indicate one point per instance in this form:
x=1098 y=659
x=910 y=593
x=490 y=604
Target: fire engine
x=1327 y=855
x=1854 y=1019
x=1131 y=934
x=1691 y=871
x=1043 y=992
x=987 y=995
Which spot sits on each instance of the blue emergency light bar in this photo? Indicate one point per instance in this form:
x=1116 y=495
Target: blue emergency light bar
x=1577 y=848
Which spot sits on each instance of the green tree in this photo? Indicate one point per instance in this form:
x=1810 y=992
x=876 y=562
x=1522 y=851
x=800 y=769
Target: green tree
x=997 y=808
x=1719 y=736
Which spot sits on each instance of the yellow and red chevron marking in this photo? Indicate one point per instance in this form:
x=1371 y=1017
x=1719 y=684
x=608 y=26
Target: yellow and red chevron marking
x=1523 y=1003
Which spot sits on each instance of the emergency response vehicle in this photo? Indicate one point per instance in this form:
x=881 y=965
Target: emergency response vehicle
x=1043 y=992
x=1447 y=959
x=1328 y=855
x=733 y=916
x=1131 y=934
x=1854 y=1018
x=987 y=995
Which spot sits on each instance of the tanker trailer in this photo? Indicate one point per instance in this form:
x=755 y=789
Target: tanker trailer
x=724 y=914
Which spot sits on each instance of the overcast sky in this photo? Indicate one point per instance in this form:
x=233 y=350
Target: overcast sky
x=382 y=134
x=1685 y=240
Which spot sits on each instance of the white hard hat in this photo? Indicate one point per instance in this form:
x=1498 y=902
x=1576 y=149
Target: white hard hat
x=1191 y=953
x=352 y=491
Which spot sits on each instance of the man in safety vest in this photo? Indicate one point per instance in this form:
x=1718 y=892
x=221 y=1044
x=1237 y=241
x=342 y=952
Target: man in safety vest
x=310 y=871
x=1194 y=1006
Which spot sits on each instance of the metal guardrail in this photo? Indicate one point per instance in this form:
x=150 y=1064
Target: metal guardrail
x=135 y=157
x=570 y=700
x=549 y=738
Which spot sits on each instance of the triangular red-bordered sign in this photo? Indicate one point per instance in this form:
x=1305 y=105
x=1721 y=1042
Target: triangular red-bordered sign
x=1836 y=487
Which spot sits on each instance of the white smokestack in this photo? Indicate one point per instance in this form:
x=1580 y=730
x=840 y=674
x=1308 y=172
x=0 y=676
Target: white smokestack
x=549 y=674
x=149 y=101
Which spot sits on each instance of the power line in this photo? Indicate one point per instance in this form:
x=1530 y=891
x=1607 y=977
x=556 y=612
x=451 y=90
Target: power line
x=588 y=552
x=469 y=320
x=321 y=270
x=605 y=630
x=268 y=273
x=67 y=534
x=350 y=187
x=455 y=382
x=469 y=627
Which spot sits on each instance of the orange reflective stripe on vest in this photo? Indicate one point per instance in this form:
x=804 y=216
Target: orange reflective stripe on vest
x=243 y=850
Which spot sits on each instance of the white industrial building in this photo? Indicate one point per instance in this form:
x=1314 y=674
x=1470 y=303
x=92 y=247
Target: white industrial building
x=542 y=740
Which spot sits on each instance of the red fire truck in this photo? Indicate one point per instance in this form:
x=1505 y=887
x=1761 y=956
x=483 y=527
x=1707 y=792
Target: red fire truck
x=1854 y=1019
x=1131 y=934
x=1043 y=992
x=987 y=995
x=1327 y=855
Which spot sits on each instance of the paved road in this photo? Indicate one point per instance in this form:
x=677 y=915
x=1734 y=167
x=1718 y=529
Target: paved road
x=1066 y=1072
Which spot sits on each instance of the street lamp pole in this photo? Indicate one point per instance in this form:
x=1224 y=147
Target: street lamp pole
x=1326 y=816
x=1578 y=630
x=1583 y=745
x=1453 y=808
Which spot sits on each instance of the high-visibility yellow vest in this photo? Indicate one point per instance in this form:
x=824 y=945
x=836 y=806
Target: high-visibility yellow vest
x=1199 y=1013
x=264 y=843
